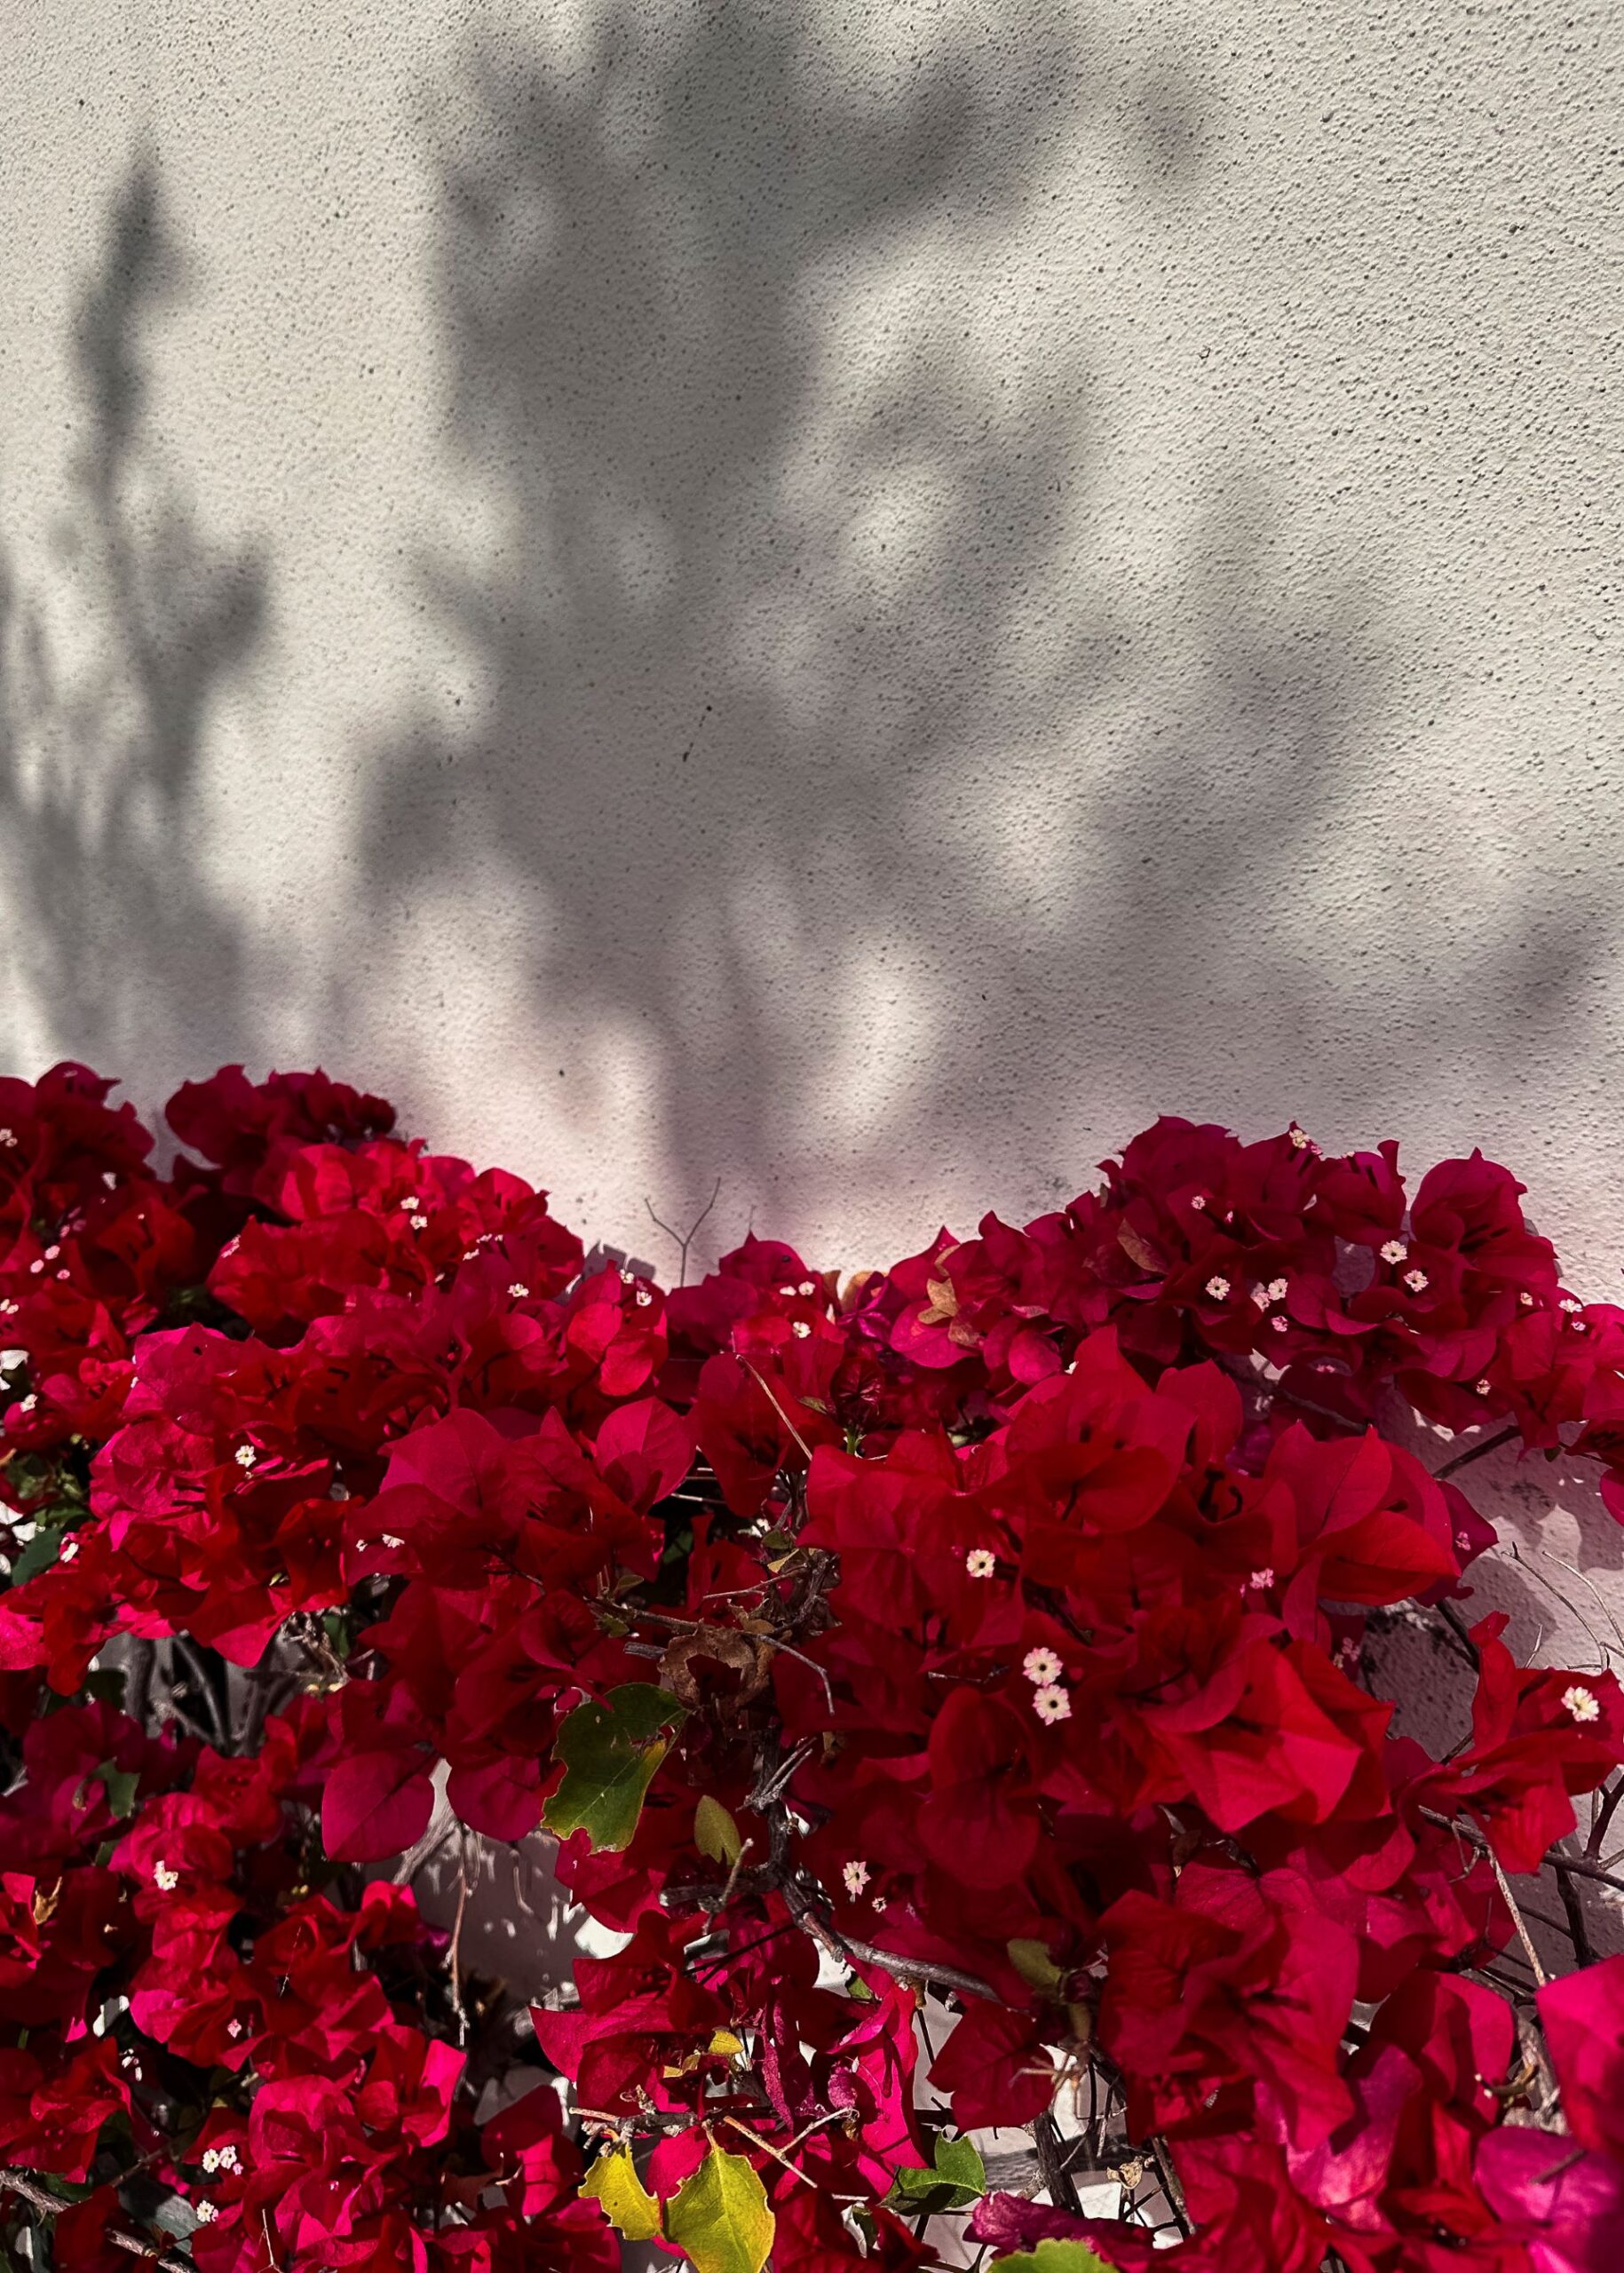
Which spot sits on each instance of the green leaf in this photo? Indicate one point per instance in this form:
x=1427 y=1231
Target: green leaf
x=610 y=1752
x=958 y=2179
x=719 y=2218
x=40 y=1554
x=1035 y=1967
x=715 y=1833
x=1055 y=2257
x=65 y=2190
x=627 y=2203
x=121 y=1786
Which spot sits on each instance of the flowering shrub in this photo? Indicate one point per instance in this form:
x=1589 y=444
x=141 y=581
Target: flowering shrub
x=997 y=1626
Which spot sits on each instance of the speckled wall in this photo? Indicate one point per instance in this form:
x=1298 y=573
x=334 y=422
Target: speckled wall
x=851 y=597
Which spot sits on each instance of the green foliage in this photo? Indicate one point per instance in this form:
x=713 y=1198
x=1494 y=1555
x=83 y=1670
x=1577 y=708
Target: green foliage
x=610 y=1754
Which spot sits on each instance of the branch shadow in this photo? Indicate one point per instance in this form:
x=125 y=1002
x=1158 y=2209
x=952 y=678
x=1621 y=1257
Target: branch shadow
x=106 y=685
x=766 y=531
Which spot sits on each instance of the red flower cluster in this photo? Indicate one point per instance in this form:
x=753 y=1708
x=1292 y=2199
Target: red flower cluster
x=998 y=1622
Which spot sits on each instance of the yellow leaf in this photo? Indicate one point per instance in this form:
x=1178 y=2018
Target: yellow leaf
x=1035 y=1965
x=714 y=1832
x=627 y=2203
x=719 y=2218
x=724 y=2041
x=1138 y=1249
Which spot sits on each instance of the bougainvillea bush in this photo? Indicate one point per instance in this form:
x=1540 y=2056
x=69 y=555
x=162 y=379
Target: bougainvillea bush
x=954 y=1690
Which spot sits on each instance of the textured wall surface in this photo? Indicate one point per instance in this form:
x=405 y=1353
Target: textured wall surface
x=855 y=597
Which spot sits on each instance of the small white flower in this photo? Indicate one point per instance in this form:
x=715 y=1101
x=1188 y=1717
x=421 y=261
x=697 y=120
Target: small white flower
x=1570 y=1304
x=788 y=1292
x=52 y=1253
x=1582 y=1703
x=206 y=2212
x=8 y=1136
x=233 y=2028
x=628 y=1278
x=1042 y=1666
x=1262 y=1579
x=1199 y=1201
x=518 y=1290
x=419 y=1223
x=388 y=1539
x=70 y=1548
x=1579 y=1326
x=1527 y=1299
x=211 y=2161
x=856 y=1876
x=1277 y=1290
x=63 y=1274
x=643 y=1298
x=1484 y=1386
x=9 y=1308
x=163 y=1878
x=1280 y=1324
x=1299 y=1136
x=1218 y=1288
x=228 y=2159
x=980 y=1563
x=1462 y=1539
x=408 y=1203
x=36 y=1266
x=807 y=1286
x=800 y=1329
x=245 y=1456
x=878 y=1902
x=1052 y=1705
x=1394 y=1251
x=1260 y=1295
x=28 y=1403
x=1416 y=1281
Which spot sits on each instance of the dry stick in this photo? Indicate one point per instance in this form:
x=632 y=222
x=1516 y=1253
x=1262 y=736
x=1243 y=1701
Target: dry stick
x=1576 y=1924
x=1562 y=1864
x=1603 y=1816
x=1509 y=1899
x=767 y=2147
x=766 y=1392
x=1489 y=1445
x=205 y=1689
x=1456 y=1624
x=701 y=1626
x=683 y=1244
x=902 y=1968
x=456 y=1949
x=1057 y=2178
x=17 y=2181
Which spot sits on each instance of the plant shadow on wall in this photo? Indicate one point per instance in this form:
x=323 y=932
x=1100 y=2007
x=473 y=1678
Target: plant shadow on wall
x=763 y=516
x=113 y=928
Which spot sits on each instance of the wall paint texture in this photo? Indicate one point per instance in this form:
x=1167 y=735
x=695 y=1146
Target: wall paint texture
x=851 y=597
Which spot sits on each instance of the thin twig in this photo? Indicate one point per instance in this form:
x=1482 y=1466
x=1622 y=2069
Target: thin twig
x=683 y=1244
x=892 y=1961
x=1476 y=1451
x=1603 y=1816
x=457 y=2006
x=778 y=1409
x=17 y=2183
x=1573 y=1902
x=204 y=1687
x=1509 y=1899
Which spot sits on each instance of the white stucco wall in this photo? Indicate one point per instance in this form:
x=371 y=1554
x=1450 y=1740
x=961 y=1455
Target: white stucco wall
x=853 y=598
